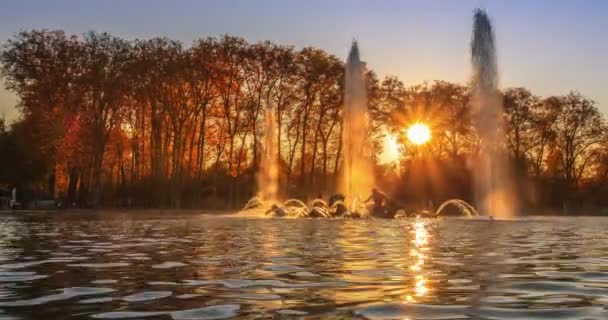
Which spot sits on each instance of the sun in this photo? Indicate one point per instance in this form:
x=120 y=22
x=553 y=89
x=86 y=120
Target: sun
x=419 y=133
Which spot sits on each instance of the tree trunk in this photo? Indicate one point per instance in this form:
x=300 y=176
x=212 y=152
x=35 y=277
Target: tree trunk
x=201 y=144
x=73 y=176
x=338 y=153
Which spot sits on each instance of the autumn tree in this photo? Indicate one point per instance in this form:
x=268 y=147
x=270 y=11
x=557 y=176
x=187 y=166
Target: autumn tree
x=43 y=68
x=521 y=111
x=579 y=129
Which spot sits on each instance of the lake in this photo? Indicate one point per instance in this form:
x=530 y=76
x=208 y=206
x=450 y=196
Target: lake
x=195 y=266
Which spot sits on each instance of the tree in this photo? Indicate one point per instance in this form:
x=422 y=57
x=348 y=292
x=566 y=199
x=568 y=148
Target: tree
x=105 y=61
x=522 y=123
x=43 y=68
x=22 y=164
x=579 y=130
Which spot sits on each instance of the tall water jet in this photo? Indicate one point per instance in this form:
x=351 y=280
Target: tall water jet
x=268 y=174
x=357 y=171
x=491 y=177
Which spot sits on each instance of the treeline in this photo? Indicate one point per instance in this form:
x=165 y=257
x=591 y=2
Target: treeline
x=151 y=123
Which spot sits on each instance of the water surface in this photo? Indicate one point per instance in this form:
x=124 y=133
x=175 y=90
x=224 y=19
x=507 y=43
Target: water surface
x=134 y=266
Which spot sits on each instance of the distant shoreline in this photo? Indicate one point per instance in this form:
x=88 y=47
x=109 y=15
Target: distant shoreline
x=88 y=211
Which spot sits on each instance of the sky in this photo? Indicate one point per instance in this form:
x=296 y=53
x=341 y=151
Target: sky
x=548 y=46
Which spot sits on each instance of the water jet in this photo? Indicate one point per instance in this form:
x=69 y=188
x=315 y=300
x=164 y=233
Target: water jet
x=357 y=170
x=491 y=177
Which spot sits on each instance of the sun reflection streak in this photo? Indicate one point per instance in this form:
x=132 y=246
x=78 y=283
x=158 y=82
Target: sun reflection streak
x=420 y=241
x=420 y=234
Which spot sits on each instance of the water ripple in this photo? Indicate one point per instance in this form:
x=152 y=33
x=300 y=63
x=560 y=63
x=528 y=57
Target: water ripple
x=207 y=267
x=67 y=293
x=147 y=296
x=206 y=313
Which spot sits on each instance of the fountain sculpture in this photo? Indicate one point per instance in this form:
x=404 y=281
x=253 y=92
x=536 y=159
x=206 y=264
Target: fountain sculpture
x=492 y=180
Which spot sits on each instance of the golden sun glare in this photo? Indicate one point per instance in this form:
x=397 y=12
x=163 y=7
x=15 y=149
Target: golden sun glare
x=390 y=149
x=419 y=133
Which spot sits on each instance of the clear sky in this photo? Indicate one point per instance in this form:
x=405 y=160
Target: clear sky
x=549 y=46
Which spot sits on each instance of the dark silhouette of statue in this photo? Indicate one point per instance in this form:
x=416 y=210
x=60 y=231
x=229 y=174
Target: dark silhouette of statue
x=380 y=204
x=337 y=199
x=278 y=211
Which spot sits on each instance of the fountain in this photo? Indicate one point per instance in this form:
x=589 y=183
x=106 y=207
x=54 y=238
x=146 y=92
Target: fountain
x=357 y=171
x=462 y=205
x=268 y=175
x=492 y=181
x=267 y=198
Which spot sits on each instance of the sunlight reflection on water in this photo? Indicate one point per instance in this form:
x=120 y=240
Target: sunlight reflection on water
x=77 y=267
